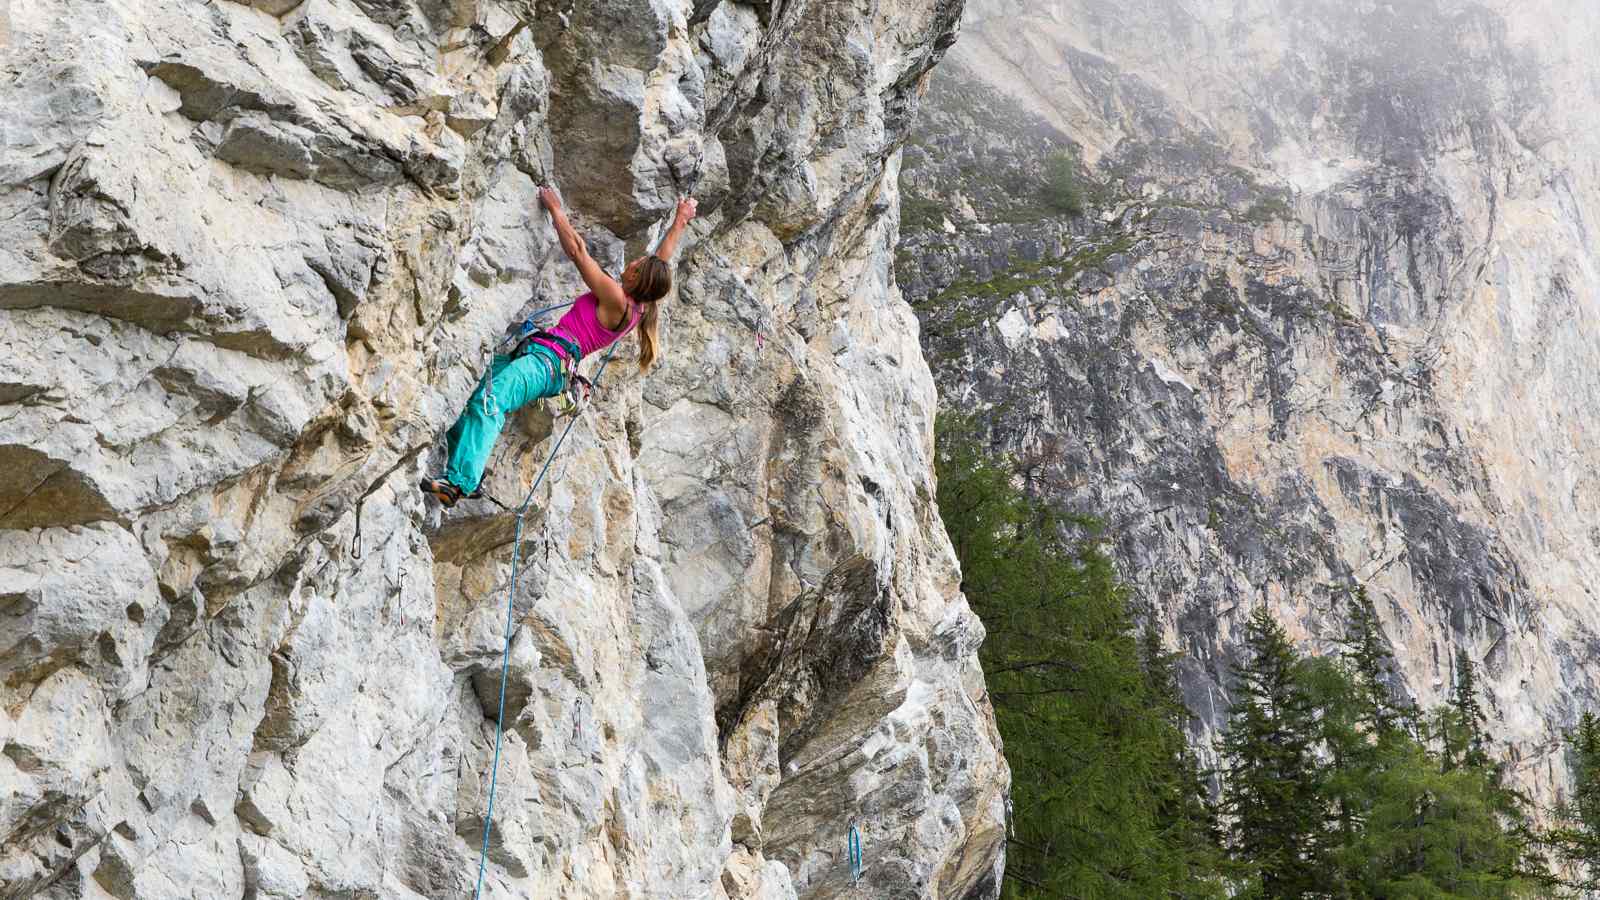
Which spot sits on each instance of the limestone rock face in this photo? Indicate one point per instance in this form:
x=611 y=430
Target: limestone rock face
x=252 y=257
x=1327 y=318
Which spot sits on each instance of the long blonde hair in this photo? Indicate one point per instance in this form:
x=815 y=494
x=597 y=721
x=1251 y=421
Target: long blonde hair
x=646 y=281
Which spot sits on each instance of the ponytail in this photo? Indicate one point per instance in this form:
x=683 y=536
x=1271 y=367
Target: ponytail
x=647 y=281
x=649 y=321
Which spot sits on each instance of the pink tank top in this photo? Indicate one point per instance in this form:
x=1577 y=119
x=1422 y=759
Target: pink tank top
x=581 y=325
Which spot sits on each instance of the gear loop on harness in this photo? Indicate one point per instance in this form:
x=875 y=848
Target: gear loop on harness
x=575 y=395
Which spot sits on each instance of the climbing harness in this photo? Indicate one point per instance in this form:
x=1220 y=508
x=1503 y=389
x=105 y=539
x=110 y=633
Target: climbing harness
x=573 y=354
x=855 y=855
x=575 y=389
x=521 y=335
x=511 y=594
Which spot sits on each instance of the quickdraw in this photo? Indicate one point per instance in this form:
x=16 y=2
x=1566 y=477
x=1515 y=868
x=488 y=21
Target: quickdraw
x=574 y=398
x=855 y=855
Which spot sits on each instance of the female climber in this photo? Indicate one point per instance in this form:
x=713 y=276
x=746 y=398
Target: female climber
x=542 y=364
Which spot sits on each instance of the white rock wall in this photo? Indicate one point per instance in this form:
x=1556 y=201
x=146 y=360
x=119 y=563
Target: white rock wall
x=251 y=257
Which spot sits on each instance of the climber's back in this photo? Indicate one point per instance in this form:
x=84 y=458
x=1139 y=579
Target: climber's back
x=581 y=325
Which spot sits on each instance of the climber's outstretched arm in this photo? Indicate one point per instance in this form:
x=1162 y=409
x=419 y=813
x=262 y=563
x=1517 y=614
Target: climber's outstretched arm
x=669 y=244
x=606 y=289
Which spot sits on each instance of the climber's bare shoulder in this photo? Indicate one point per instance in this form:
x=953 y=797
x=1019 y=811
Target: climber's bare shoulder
x=609 y=296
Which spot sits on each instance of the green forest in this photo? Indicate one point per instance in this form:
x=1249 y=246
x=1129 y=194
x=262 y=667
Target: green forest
x=1326 y=785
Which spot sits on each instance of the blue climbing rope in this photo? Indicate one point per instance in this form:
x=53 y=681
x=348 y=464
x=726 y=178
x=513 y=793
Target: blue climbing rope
x=855 y=855
x=511 y=594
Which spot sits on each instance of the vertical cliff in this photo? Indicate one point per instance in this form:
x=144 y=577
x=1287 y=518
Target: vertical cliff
x=252 y=256
x=1299 y=298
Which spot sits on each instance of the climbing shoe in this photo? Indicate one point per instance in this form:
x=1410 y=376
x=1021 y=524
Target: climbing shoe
x=443 y=491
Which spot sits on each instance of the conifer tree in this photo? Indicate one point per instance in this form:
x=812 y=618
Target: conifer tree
x=1184 y=811
x=1404 y=824
x=1100 y=807
x=1583 y=746
x=1360 y=724
x=1372 y=665
x=1272 y=792
x=1575 y=836
x=1462 y=722
x=1433 y=833
x=1329 y=787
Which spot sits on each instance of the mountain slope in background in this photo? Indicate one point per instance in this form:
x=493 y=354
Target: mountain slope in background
x=1327 y=315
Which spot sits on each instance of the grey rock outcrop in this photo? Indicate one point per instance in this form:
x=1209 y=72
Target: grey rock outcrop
x=1327 y=318
x=251 y=258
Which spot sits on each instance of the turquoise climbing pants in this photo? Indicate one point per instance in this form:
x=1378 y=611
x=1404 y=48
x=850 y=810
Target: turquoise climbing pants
x=534 y=374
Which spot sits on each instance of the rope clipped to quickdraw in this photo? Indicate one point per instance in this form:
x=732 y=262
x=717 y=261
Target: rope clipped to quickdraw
x=855 y=855
x=511 y=594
